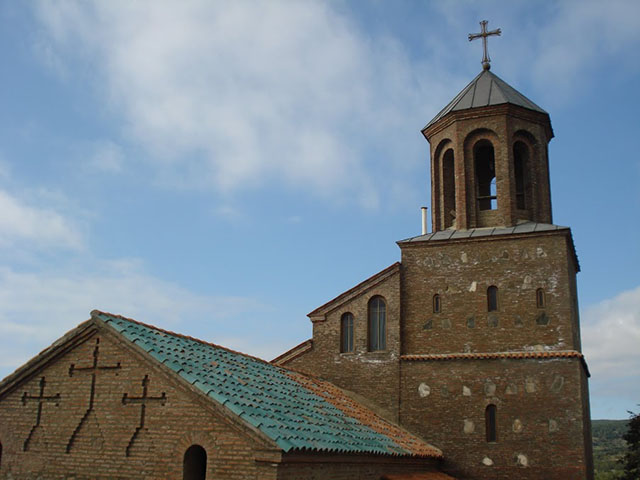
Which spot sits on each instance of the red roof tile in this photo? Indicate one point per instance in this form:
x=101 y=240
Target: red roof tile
x=353 y=409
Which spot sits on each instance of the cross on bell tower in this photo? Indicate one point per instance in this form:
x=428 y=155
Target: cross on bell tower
x=484 y=34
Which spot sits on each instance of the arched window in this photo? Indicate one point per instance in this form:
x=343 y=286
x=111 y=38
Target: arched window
x=520 y=161
x=490 y=423
x=540 y=303
x=195 y=463
x=492 y=298
x=448 y=188
x=346 y=332
x=377 y=324
x=436 y=303
x=485 y=165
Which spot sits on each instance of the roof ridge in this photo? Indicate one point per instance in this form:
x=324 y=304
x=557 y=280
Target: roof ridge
x=356 y=287
x=179 y=335
x=299 y=346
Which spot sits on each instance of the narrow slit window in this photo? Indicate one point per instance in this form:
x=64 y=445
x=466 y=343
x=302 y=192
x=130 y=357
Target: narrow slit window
x=377 y=324
x=520 y=165
x=346 y=332
x=490 y=423
x=449 y=189
x=436 y=303
x=540 y=300
x=492 y=298
x=0 y=454
x=194 y=463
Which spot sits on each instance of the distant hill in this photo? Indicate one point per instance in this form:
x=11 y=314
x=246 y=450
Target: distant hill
x=608 y=447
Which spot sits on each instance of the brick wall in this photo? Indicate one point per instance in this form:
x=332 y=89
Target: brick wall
x=374 y=375
x=99 y=447
x=540 y=416
x=461 y=271
x=351 y=467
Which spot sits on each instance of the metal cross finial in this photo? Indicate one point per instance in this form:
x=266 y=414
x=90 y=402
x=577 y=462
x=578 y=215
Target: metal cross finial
x=484 y=34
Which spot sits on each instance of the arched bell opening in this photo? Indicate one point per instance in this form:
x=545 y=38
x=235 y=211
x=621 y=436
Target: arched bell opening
x=449 y=189
x=485 y=175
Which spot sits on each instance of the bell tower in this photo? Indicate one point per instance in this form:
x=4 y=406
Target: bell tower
x=491 y=361
x=489 y=161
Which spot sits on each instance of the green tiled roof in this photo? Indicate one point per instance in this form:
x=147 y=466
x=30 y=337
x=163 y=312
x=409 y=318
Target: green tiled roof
x=280 y=403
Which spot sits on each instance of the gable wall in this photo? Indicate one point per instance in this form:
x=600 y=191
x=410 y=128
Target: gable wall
x=374 y=375
x=99 y=448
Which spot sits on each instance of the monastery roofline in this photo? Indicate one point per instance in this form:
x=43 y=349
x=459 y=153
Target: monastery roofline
x=453 y=234
x=293 y=352
x=484 y=233
x=368 y=283
x=288 y=410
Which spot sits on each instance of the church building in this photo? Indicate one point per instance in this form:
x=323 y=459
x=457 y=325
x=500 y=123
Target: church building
x=461 y=361
x=472 y=340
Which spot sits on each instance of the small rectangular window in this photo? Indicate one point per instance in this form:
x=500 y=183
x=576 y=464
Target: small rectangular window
x=492 y=299
x=490 y=423
x=540 y=298
x=436 y=303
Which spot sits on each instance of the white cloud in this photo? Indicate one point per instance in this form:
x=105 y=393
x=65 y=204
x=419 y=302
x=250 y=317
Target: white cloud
x=106 y=156
x=237 y=94
x=561 y=47
x=581 y=37
x=34 y=224
x=611 y=336
x=37 y=308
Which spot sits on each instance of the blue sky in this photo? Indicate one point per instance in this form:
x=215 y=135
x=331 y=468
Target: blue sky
x=221 y=169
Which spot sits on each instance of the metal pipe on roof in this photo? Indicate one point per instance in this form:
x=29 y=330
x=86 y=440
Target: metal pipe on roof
x=424 y=220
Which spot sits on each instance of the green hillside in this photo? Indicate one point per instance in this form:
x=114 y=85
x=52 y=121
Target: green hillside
x=608 y=447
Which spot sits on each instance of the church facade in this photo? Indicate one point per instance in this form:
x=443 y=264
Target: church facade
x=472 y=340
x=462 y=360
x=118 y=399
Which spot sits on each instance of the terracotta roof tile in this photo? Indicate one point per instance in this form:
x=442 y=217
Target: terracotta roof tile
x=353 y=409
x=297 y=412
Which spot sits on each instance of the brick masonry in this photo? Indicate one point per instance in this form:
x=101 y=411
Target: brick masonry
x=462 y=271
x=95 y=428
x=543 y=419
x=63 y=448
x=502 y=126
x=540 y=428
x=359 y=371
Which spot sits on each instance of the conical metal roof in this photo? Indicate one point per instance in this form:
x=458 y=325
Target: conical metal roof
x=485 y=90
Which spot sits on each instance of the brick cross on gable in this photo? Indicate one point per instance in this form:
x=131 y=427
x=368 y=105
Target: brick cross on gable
x=93 y=369
x=143 y=400
x=41 y=399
